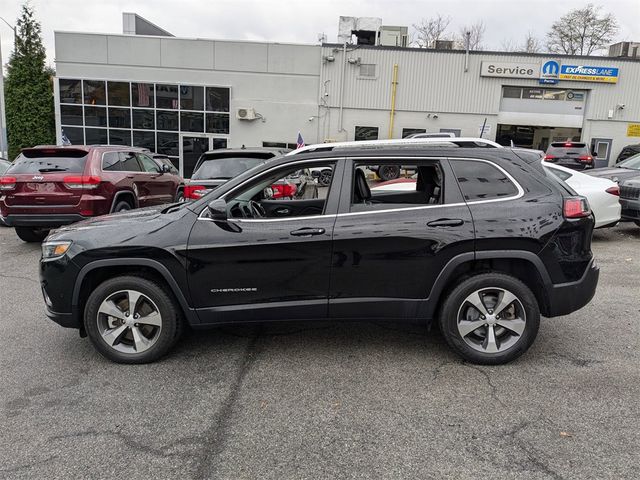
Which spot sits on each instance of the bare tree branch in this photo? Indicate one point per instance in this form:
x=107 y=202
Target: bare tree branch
x=429 y=30
x=582 y=31
x=475 y=38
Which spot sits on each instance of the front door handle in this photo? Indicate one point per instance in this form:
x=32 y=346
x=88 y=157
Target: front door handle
x=307 y=232
x=446 y=222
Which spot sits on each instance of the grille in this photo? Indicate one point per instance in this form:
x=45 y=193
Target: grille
x=629 y=192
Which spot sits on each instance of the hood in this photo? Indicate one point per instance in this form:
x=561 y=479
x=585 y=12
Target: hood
x=614 y=173
x=129 y=227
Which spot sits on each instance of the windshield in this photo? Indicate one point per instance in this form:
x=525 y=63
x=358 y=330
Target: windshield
x=631 y=162
x=225 y=168
x=44 y=162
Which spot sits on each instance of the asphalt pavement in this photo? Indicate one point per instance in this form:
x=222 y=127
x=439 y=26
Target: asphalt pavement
x=324 y=400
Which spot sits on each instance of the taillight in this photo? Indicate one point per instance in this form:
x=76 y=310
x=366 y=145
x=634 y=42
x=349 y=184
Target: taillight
x=576 y=207
x=84 y=182
x=194 y=192
x=613 y=191
x=549 y=158
x=586 y=159
x=284 y=190
x=8 y=183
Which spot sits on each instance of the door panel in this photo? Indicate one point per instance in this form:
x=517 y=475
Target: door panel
x=385 y=262
x=244 y=270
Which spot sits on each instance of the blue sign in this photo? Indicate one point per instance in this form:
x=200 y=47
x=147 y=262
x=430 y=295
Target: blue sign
x=549 y=72
x=589 y=74
x=551 y=68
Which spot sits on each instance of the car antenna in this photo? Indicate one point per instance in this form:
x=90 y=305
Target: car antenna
x=243 y=147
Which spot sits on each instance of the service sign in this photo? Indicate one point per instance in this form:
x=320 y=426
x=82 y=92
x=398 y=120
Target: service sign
x=510 y=70
x=589 y=74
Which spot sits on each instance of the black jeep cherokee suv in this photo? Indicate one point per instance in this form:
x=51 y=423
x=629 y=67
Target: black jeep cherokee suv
x=477 y=239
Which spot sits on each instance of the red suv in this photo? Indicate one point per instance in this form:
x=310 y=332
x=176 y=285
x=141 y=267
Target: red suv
x=47 y=187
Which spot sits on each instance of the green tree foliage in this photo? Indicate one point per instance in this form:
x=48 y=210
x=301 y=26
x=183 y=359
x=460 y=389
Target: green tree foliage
x=28 y=88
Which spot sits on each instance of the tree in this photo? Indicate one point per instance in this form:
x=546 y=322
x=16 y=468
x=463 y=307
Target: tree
x=531 y=44
x=476 y=36
x=582 y=31
x=28 y=88
x=429 y=30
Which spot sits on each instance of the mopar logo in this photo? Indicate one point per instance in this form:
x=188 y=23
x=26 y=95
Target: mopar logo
x=551 y=69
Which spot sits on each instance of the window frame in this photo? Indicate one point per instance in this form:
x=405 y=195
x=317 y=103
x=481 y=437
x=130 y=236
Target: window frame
x=519 y=189
x=332 y=200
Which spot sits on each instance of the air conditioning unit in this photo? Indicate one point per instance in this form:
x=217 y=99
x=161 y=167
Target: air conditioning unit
x=246 y=114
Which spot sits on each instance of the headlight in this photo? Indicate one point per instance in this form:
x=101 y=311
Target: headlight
x=54 y=249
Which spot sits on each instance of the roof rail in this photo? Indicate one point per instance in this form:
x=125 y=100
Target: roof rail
x=458 y=141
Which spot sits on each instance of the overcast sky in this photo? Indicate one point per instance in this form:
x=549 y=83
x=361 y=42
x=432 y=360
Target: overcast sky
x=302 y=21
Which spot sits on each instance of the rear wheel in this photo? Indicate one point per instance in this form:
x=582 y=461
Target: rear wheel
x=122 y=206
x=132 y=320
x=490 y=319
x=31 y=234
x=389 y=172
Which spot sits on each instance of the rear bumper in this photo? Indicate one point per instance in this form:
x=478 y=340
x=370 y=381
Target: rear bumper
x=42 y=220
x=565 y=298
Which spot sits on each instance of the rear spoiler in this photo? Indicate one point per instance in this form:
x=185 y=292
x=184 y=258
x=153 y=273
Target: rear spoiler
x=54 y=152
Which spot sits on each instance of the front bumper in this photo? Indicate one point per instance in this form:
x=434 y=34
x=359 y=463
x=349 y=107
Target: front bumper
x=630 y=208
x=565 y=298
x=42 y=220
x=63 y=319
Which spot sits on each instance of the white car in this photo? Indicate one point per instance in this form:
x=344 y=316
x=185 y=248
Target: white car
x=602 y=194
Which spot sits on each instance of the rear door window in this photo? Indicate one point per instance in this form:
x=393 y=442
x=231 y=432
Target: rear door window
x=129 y=162
x=111 y=162
x=48 y=161
x=481 y=180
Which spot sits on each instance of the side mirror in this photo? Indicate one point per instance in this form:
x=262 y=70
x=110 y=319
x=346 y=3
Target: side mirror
x=218 y=210
x=164 y=168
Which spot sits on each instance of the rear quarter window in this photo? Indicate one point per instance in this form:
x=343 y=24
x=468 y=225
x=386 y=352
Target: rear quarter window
x=35 y=161
x=482 y=181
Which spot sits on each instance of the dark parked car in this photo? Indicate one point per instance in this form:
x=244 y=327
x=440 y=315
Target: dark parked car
x=216 y=167
x=628 y=151
x=484 y=245
x=630 y=200
x=47 y=187
x=624 y=170
x=572 y=155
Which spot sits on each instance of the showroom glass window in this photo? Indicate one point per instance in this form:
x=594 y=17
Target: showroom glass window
x=142 y=114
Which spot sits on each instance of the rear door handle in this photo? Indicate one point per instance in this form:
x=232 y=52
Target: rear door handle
x=446 y=222
x=131 y=176
x=307 y=232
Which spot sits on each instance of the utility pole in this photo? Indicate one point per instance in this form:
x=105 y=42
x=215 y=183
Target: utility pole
x=4 y=146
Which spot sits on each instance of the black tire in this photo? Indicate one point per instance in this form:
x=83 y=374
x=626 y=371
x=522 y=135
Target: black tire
x=325 y=178
x=122 y=206
x=31 y=235
x=455 y=302
x=171 y=319
x=389 y=172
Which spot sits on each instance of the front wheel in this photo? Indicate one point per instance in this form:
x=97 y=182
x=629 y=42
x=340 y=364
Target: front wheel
x=132 y=320
x=31 y=234
x=490 y=319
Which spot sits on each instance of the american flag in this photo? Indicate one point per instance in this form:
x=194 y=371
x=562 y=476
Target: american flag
x=300 y=142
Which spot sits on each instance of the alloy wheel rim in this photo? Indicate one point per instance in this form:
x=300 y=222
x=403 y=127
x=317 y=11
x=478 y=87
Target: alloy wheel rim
x=491 y=320
x=129 y=321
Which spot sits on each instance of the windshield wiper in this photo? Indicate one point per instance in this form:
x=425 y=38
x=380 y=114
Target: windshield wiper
x=45 y=170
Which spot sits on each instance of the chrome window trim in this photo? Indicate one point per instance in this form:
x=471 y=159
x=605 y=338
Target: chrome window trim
x=520 y=193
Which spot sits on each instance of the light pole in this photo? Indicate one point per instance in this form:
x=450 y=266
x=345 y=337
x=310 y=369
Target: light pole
x=4 y=147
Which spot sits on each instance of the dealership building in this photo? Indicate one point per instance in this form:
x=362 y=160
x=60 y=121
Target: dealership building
x=182 y=96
